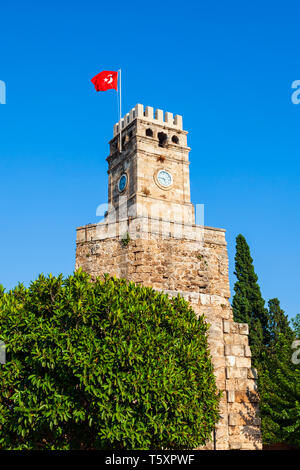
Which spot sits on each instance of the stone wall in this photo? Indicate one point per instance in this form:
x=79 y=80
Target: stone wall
x=195 y=265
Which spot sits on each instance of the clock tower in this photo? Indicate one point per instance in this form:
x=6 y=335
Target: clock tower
x=149 y=236
x=150 y=176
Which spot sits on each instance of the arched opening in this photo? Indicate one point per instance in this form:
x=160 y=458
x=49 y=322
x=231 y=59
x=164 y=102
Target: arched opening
x=162 y=139
x=149 y=132
x=175 y=139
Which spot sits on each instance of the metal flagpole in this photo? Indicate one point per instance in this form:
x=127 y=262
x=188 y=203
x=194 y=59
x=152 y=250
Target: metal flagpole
x=120 y=112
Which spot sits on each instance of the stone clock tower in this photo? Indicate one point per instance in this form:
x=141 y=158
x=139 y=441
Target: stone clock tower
x=152 y=170
x=149 y=236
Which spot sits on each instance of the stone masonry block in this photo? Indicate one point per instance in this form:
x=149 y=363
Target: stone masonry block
x=169 y=117
x=159 y=115
x=233 y=419
x=246 y=396
x=234 y=350
x=252 y=373
x=243 y=362
x=218 y=362
x=236 y=372
x=149 y=112
x=241 y=385
x=178 y=121
x=234 y=432
x=244 y=328
x=235 y=445
x=236 y=339
x=230 y=361
x=139 y=110
x=226 y=326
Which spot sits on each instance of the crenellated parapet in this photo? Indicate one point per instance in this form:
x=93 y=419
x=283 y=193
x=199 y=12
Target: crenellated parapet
x=148 y=114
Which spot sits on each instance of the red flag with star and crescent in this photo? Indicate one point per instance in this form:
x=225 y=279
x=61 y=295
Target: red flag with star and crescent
x=105 y=80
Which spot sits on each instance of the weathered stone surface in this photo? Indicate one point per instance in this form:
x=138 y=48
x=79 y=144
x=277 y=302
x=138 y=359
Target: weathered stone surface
x=234 y=350
x=244 y=362
x=236 y=372
x=166 y=250
x=233 y=419
x=230 y=361
x=244 y=328
x=226 y=326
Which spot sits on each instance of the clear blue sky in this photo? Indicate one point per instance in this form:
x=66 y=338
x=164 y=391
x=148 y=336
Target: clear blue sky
x=227 y=67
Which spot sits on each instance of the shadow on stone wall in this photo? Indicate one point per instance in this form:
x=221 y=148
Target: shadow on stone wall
x=250 y=418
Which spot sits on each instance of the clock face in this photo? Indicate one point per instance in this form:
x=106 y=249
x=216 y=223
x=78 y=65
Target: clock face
x=164 y=178
x=122 y=182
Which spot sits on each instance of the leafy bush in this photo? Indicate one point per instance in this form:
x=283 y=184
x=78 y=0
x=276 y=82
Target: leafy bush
x=105 y=364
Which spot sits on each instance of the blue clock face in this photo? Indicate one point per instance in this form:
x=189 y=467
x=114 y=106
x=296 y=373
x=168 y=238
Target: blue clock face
x=164 y=178
x=122 y=182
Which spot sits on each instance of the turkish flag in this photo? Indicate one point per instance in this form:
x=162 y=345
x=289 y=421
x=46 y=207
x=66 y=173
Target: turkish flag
x=105 y=80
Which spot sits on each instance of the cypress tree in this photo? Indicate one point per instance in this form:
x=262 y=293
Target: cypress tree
x=296 y=325
x=248 y=304
x=270 y=338
x=278 y=323
x=279 y=384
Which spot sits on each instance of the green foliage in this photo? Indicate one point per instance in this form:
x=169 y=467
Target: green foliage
x=248 y=305
x=270 y=338
x=278 y=324
x=279 y=388
x=126 y=239
x=279 y=382
x=104 y=364
x=296 y=325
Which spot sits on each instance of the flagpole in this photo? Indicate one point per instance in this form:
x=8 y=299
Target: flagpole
x=120 y=112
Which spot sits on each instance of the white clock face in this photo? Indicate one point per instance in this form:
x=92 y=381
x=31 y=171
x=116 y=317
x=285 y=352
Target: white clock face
x=164 y=178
